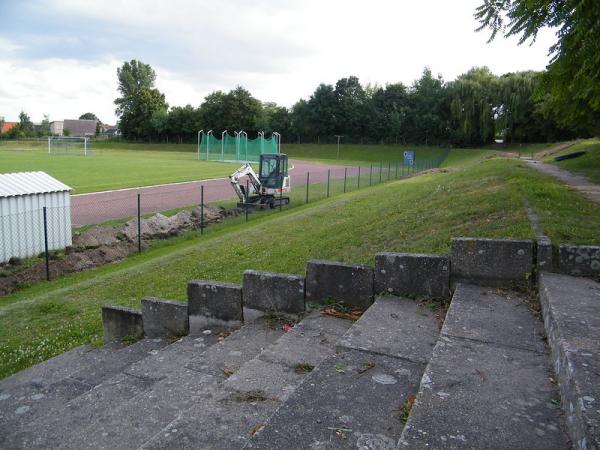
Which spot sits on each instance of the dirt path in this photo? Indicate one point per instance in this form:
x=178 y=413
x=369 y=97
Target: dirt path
x=584 y=186
x=99 y=207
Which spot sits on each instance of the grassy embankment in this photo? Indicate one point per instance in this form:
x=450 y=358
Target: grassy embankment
x=587 y=165
x=479 y=197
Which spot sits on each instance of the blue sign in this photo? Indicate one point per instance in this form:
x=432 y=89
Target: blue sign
x=409 y=158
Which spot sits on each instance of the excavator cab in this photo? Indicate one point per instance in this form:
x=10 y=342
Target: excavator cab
x=273 y=170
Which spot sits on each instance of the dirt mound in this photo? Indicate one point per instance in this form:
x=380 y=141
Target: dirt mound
x=106 y=244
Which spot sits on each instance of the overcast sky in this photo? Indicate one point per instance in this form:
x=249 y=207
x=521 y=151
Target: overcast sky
x=59 y=57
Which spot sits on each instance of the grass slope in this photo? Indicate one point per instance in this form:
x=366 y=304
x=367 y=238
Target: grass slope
x=588 y=164
x=415 y=215
x=114 y=169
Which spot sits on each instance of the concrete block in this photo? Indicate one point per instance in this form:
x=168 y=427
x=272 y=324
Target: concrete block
x=544 y=254
x=267 y=291
x=579 y=260
x=119 y=322
x=213 y=303
x=349 y=283
x=164 y=318
x=415 y=274
x=491 y=262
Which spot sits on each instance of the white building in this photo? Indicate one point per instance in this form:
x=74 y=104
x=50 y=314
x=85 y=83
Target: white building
x=56 y=128
x=23 y=197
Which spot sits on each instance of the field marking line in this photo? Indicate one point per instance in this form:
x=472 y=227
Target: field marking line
x=150 y=186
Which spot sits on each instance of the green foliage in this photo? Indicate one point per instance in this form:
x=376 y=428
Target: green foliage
x=23 y=129
x=139 y=100
x=569 y=91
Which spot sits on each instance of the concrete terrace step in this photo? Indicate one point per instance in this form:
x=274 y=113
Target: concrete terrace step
x=32 y=404
x=24 y=402
x=169 y=388
x=488 y=383
x=571 y=309
x=353 y=399
x=243 y=402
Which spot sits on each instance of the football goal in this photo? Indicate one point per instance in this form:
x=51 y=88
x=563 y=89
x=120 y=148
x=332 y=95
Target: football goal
x=69 y=145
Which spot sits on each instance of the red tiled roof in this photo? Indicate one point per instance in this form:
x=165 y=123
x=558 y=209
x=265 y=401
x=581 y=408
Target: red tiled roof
x=7 y=126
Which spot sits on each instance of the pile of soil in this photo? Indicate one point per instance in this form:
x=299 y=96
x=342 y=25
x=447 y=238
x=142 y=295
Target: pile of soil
x=105 y=244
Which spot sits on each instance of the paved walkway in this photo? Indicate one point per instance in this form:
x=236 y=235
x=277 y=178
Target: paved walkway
x=580 y=183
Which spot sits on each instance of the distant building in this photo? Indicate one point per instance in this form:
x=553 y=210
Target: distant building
x=56 y=128
x=110 y=131
x=83 y=128
x=7 y=126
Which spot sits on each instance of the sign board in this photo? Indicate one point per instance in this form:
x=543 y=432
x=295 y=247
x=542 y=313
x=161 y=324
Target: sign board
x=409 y=158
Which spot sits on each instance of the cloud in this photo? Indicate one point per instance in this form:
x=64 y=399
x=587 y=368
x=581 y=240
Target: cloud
x=61 y=55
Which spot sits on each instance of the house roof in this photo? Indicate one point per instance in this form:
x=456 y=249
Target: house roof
x=80 y=127
x=7 y=126
x=27 y=183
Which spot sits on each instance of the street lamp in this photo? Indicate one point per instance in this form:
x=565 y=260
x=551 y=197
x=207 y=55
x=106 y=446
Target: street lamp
x=338 y=136
x=199 y=144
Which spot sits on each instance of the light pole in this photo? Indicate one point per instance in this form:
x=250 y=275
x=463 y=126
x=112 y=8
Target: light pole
x=262 y=141
x=245 y=135
x=199 y=144
x=223 y=145
x=277 y=141
x=237 y=144
x=208 y=142
x=338 y=136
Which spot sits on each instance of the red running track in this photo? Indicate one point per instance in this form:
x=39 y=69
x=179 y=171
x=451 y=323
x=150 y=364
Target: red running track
x=88 y=209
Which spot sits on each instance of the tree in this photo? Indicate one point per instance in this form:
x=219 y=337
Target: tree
x=44 y=128
x=427 y=98
x=236 y=110
x=139 y=100
x=1 y=125
x=24 y=129
x=569 y=89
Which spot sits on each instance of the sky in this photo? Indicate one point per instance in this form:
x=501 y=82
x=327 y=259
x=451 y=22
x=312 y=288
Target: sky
x=60 y=57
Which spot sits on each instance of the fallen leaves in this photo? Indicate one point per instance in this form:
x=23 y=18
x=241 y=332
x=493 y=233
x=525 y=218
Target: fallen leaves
x=342 y=311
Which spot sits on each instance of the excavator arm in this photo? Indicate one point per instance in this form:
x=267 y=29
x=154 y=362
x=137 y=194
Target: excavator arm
x=246 y=169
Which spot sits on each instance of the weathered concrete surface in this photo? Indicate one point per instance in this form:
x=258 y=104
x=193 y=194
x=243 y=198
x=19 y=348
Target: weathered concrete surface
x=228 y=355
x=579 y=260
x=212 y=302
x=491 y=261
x=394 y=326
x=475 y=395
x=343 y=394
x=119 y=323
x=348 y=283
x=571 y=309
x=164 y=318
x=584 y=186
x=277 y=292
x=414 y=274
x=494 y=316
x=544 y=254
x=482 y=388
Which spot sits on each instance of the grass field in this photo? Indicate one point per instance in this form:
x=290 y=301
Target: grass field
x=121 y=165
x=478 y=197
x=588 y=164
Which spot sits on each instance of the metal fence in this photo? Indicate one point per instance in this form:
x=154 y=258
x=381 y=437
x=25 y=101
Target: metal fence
x=132 y=206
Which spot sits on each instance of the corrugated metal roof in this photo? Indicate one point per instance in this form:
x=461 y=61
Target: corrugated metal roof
x=25 y=183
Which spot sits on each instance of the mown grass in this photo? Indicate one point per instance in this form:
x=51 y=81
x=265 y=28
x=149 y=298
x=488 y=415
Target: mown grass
x=420 y=214
x=588 y=164
x=114 y=169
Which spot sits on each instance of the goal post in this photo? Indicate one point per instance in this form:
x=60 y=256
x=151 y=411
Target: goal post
x=69 y=145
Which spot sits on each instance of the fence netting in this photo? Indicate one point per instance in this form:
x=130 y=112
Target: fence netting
x=235 y=148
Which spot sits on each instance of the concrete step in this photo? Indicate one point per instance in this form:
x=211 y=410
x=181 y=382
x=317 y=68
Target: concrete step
x=489 y=381
x=31 y=406
x=571 y=310
x=242 y=403
x=154 y=392
x=353 y=399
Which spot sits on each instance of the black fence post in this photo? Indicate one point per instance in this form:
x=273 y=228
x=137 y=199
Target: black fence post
x=201 y=209
x=380 y=169
x=371 y=175
x=328 y=173
x=281 y=198
x=139 y=222
x=396 y=169
x=46 y=254
x=358 y=186
x=345 y=177
x=246 y=198
x=307 y=181
x=389 y=169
